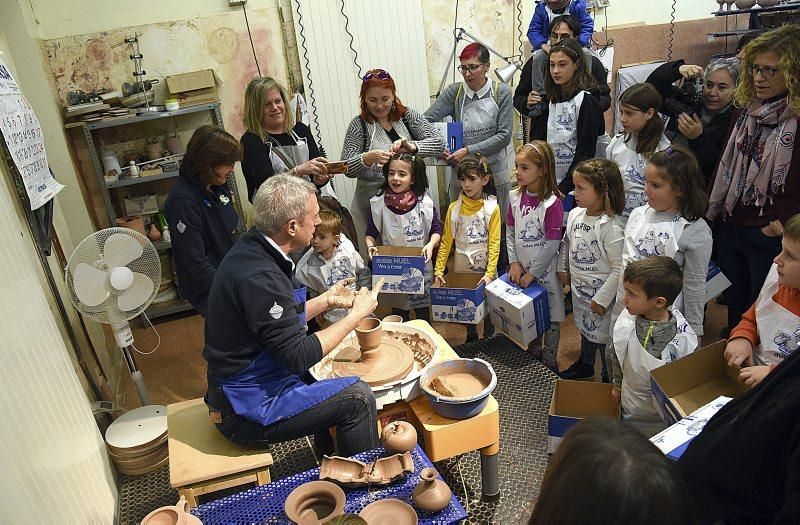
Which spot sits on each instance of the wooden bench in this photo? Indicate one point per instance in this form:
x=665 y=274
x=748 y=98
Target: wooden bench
x=202 y=461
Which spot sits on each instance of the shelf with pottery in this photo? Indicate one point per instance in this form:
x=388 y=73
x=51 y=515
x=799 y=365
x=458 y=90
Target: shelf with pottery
x=141 y=179
x=791 y=6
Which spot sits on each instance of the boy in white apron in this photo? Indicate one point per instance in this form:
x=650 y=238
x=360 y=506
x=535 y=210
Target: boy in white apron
x=770 y=330
x=649 y=333
x=331 y=259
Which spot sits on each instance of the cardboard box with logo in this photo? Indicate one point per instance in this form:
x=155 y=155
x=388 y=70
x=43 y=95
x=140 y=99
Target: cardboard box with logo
x=674 y=440
x=452 y=133
x=520 y=313
x=194 y=88
x=683 y=386
x=573 y=401
x=403 y=269
x=461 y=300
x=716 y=282
x=141 y=205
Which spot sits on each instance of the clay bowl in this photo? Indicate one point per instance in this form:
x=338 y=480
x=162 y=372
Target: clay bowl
x=399 y=437
x=345 y=471
x=314 y=503
x=458 y=388
x=745 y=4
x=369 y=333
x=389 y=511
x=393 y=319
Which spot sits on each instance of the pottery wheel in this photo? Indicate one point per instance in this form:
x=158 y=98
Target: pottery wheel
x=389 y=362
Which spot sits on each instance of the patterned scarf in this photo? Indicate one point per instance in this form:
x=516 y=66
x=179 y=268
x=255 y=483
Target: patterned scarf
x=400 y=202
x=755 y=164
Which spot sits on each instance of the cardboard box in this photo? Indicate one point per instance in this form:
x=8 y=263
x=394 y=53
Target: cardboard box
x=568 y=203
x=402 y=267
x=521 y=314
x=716 y=282
x=141 y=205
x=683 y=386
x=452 y=133
x=195 y=88
x=573 y=401
x=674 y=440
x=461 y=300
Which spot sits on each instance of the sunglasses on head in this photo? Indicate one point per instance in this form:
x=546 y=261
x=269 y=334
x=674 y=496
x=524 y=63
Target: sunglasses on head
x=380 y=74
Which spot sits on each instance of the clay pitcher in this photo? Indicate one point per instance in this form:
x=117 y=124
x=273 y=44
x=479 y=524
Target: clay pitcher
x=399 y=437
x=431 y=493
x=369 y=333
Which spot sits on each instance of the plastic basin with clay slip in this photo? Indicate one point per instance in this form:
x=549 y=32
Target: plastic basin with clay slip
x=458 y=388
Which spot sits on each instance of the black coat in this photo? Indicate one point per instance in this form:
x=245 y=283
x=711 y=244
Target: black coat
x=744 y=467
x=201 y=225
x=708 y=147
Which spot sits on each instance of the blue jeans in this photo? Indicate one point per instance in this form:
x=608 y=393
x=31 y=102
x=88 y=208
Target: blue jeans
x=744 y=255
x=352 y=411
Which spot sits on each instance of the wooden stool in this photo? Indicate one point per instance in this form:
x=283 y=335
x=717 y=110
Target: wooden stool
x=201 y=460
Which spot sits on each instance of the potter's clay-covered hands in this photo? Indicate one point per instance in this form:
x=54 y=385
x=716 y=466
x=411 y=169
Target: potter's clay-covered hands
x=340 y=295
x=364 y=303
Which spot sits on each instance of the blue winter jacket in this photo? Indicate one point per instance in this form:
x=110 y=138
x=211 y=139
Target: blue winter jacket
x=540 y=23
x=201 y=225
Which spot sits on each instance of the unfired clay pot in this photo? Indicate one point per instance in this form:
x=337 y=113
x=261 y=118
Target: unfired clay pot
x=175 y=146
x=153 y=151
x=431 y=493
x=177 y=514
x=134 y=223
x=768 y=3
x=393 y=319
x=389 y=510
x=153 y=234
x=314 y=503
x=745 y=4
x=369 y=333
x=399 y=437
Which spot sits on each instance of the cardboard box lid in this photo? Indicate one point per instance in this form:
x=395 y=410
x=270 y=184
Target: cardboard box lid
x=399 y=251
x=579 y=399
x=192 y=81
x=698 y=378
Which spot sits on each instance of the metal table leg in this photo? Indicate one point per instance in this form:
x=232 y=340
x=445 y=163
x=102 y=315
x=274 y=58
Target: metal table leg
x=490 y=473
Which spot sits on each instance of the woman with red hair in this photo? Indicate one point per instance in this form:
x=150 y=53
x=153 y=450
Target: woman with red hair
x=384 y=127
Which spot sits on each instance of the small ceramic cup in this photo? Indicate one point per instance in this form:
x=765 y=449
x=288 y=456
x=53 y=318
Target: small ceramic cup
x=393 y=319
x=369 y=333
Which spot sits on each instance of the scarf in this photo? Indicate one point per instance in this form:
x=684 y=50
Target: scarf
x=400 y=202
x=756 y=160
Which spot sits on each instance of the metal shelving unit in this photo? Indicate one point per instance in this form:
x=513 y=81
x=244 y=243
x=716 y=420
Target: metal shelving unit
x=90 y=131
x=772 y=10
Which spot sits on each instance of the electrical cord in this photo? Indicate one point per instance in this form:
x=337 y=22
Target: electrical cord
x=252 y=45
x=518 y=14
x=671 y=30
x=157 y=335
x=601 y=48
x=311 y=97
x=353 y=49
x=455 y=39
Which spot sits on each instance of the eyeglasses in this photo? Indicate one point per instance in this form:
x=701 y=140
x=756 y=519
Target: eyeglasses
x=556 y=37
x=766 y=72
x=380 y=74
x=471 y=68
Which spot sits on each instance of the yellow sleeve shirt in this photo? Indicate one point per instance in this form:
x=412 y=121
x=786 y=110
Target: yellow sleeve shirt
x=470 y=207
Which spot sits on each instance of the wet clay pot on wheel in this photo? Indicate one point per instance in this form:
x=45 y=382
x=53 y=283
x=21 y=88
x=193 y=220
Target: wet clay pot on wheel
x=369 y=333
x=399 y=437
x=314 y=503
x=431 y=493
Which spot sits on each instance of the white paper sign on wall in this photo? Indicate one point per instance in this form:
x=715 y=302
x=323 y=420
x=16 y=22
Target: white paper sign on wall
x=25 y=141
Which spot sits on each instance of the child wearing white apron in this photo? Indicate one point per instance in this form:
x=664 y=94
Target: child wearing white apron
x=622 y=150
x=472 y=224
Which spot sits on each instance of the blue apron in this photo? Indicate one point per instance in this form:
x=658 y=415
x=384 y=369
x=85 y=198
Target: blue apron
x=267 y=392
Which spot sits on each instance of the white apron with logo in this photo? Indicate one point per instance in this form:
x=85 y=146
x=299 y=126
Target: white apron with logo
x=778 y=328
x=631 y=167
x=589 y=268
x=480 y=123
x=637 y=400
x=471 y=236
x=562 y=132
x=529 y=241
x=283 y=158
x=410 y=229
x=645 y=238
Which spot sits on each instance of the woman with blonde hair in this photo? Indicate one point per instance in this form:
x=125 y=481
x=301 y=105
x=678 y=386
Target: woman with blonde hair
x=274 y=143
x=756 y=188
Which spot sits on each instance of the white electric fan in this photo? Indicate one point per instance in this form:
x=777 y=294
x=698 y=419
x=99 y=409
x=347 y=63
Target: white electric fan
x=112 y=276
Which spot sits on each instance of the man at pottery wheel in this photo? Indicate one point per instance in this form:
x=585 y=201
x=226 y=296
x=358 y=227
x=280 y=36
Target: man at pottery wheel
x=256 y=345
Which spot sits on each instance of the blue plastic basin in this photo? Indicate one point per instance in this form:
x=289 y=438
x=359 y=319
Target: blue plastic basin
x=462 y=407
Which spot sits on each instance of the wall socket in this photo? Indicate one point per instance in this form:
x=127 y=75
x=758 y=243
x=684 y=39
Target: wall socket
x=232 y=3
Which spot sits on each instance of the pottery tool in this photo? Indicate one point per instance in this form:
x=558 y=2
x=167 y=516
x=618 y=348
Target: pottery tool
x=439 y=385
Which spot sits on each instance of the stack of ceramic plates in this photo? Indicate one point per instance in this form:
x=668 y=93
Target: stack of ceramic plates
x=137 y=441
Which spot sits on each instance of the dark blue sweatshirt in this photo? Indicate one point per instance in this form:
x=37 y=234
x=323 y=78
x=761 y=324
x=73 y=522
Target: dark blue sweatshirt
x=201 y=225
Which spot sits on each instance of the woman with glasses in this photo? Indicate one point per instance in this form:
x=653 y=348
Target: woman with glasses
x=486 y=110
x=274 y=143
x=757 y=187
x=698 y=119
x=384 y=127
x=573 y=119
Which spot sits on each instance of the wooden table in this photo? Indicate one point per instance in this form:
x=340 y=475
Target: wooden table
x=445 y=438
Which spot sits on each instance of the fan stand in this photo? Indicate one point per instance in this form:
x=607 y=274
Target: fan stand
x=124 y=338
